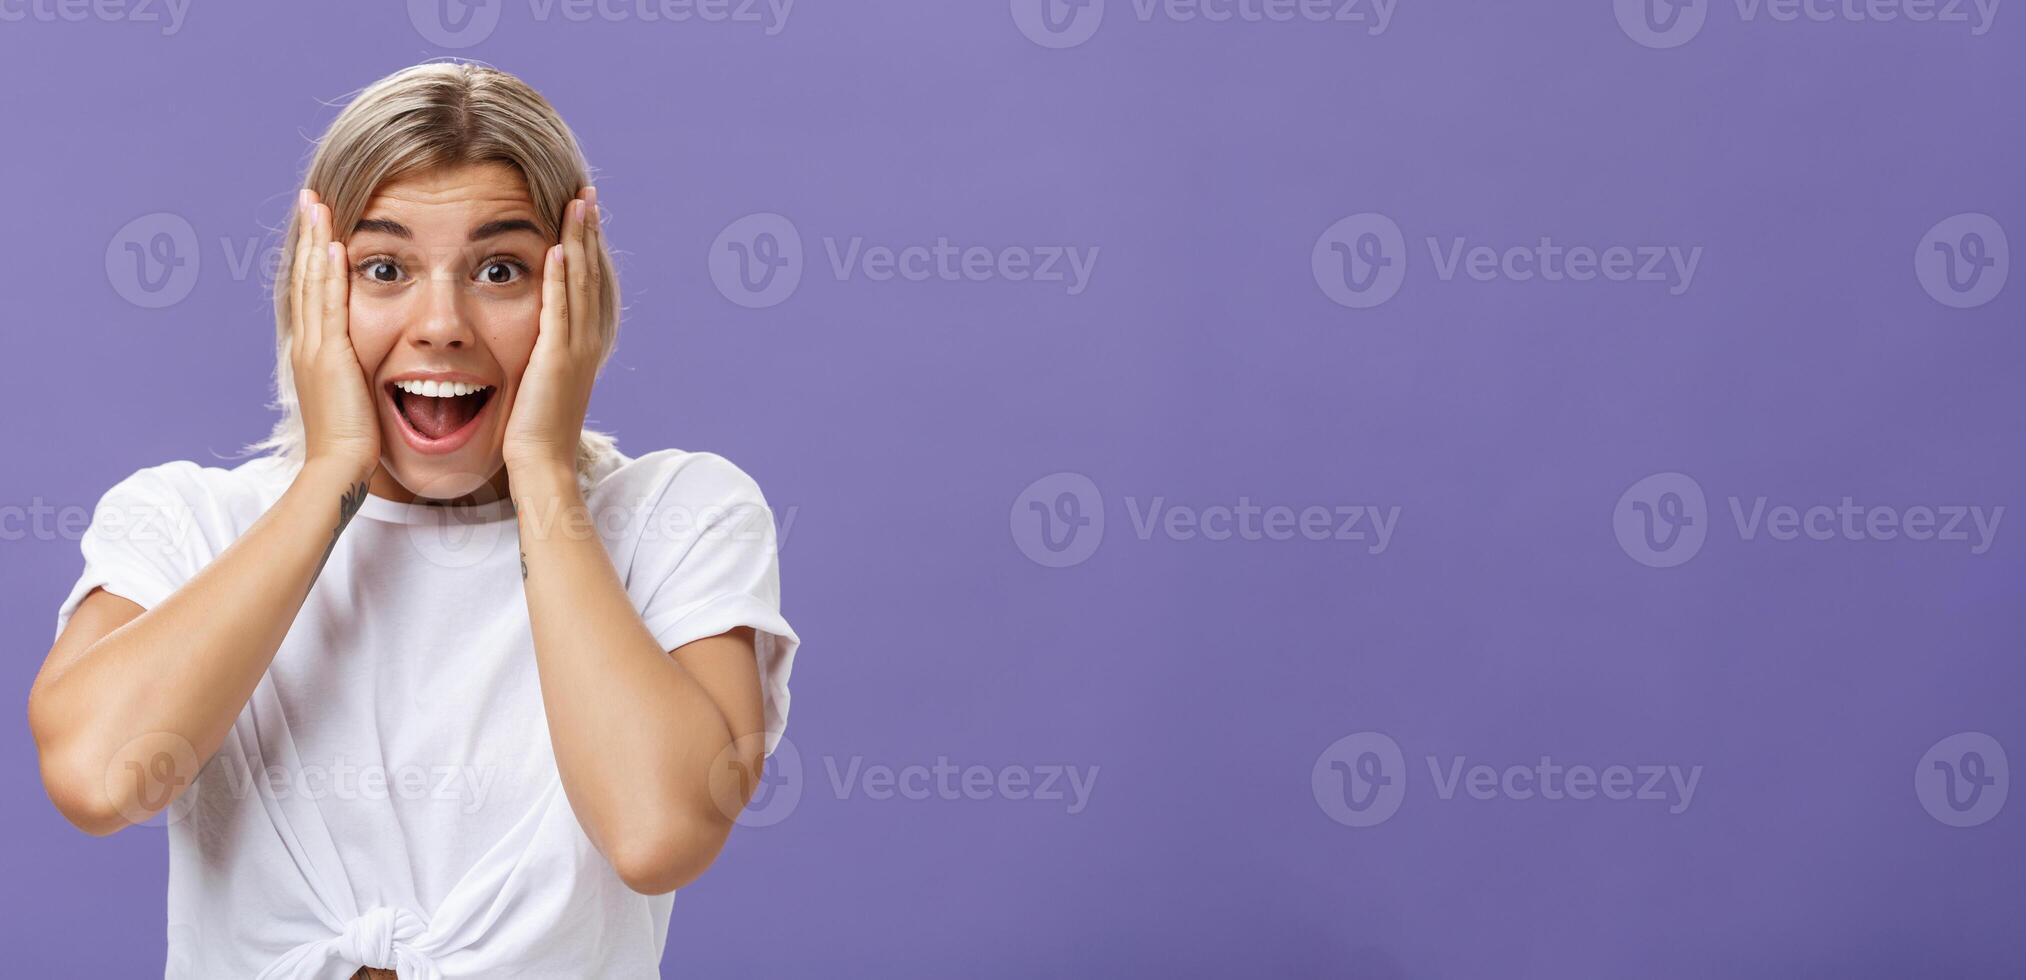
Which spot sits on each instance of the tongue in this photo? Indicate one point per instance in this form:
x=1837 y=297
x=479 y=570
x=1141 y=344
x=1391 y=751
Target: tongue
x=438 y=417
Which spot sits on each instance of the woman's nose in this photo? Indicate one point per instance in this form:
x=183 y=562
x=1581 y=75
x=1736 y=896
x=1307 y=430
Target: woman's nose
x=443 y=322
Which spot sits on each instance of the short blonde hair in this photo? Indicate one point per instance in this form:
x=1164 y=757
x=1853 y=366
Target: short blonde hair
x=433 y=115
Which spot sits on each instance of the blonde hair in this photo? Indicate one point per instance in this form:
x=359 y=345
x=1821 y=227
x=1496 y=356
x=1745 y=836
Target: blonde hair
x=437 y=114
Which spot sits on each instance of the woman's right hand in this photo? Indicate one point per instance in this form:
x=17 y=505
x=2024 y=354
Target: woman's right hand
x=341 y=425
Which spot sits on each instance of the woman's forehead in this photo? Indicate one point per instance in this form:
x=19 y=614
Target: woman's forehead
x=453 y=196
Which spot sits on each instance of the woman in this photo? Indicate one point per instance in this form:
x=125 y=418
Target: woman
x=473 y=692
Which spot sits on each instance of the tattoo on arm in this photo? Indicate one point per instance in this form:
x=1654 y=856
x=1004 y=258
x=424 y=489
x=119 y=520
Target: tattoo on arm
x=524 y=566
x=348 y=506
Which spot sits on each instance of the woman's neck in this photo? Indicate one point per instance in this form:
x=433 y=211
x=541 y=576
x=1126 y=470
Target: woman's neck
x=385 y=485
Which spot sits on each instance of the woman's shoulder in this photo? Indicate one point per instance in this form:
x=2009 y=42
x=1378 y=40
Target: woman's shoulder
x=254 y=484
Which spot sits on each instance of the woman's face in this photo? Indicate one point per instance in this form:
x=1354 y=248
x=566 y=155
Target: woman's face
x=446 y=276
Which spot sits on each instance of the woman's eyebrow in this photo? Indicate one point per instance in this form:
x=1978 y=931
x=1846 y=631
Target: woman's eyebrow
x=494 y=229
x=491 y=229
x=383 y=226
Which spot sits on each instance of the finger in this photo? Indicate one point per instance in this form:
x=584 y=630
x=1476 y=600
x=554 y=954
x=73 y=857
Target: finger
x=336 y=297
x=555 y=322
x=594 y=271
x=313 y=307
x=575 y=262
x=300 y=260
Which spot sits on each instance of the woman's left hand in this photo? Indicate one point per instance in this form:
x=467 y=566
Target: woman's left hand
x=546 y=420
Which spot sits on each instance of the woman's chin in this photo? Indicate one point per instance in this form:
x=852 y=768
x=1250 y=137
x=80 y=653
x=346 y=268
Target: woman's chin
x=438 y=479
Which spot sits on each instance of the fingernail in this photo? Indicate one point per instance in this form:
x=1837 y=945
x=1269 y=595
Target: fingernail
x=577 y=209
x=302 y=201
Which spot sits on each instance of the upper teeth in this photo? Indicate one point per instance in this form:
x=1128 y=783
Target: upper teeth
x=439 y=389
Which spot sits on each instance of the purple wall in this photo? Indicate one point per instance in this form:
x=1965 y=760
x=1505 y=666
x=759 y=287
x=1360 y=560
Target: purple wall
x=1757 y=263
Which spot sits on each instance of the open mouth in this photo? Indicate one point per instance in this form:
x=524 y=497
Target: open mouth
x=436 y=413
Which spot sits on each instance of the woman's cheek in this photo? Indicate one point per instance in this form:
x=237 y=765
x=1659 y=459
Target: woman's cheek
x=512 y=338
x=373 y=332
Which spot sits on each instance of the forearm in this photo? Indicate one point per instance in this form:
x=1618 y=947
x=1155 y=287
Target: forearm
x=639 y=742
x=179 y=674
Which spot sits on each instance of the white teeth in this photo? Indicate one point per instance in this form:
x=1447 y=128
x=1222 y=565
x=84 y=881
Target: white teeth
x=439 y=389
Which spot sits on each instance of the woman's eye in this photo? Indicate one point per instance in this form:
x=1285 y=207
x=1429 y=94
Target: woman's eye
x=372 y=269
x=500 y=272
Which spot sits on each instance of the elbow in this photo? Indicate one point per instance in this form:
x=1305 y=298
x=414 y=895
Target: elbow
x=83 y=800
x=102 y=796
x=94 y=821
x=79 y=799
x=661 y=863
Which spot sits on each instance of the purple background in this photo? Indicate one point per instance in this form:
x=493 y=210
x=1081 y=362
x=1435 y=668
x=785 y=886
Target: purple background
x=1204 y=679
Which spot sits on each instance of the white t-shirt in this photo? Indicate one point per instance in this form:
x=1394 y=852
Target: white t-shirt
x=388 y=797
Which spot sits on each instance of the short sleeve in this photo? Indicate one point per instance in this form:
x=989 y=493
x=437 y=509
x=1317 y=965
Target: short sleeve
x=708 y=562
x=140 y=542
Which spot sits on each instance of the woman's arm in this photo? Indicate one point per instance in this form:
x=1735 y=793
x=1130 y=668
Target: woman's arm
x=658 y=750
x=121 y=695
x=658 y=753
x=117 y=697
